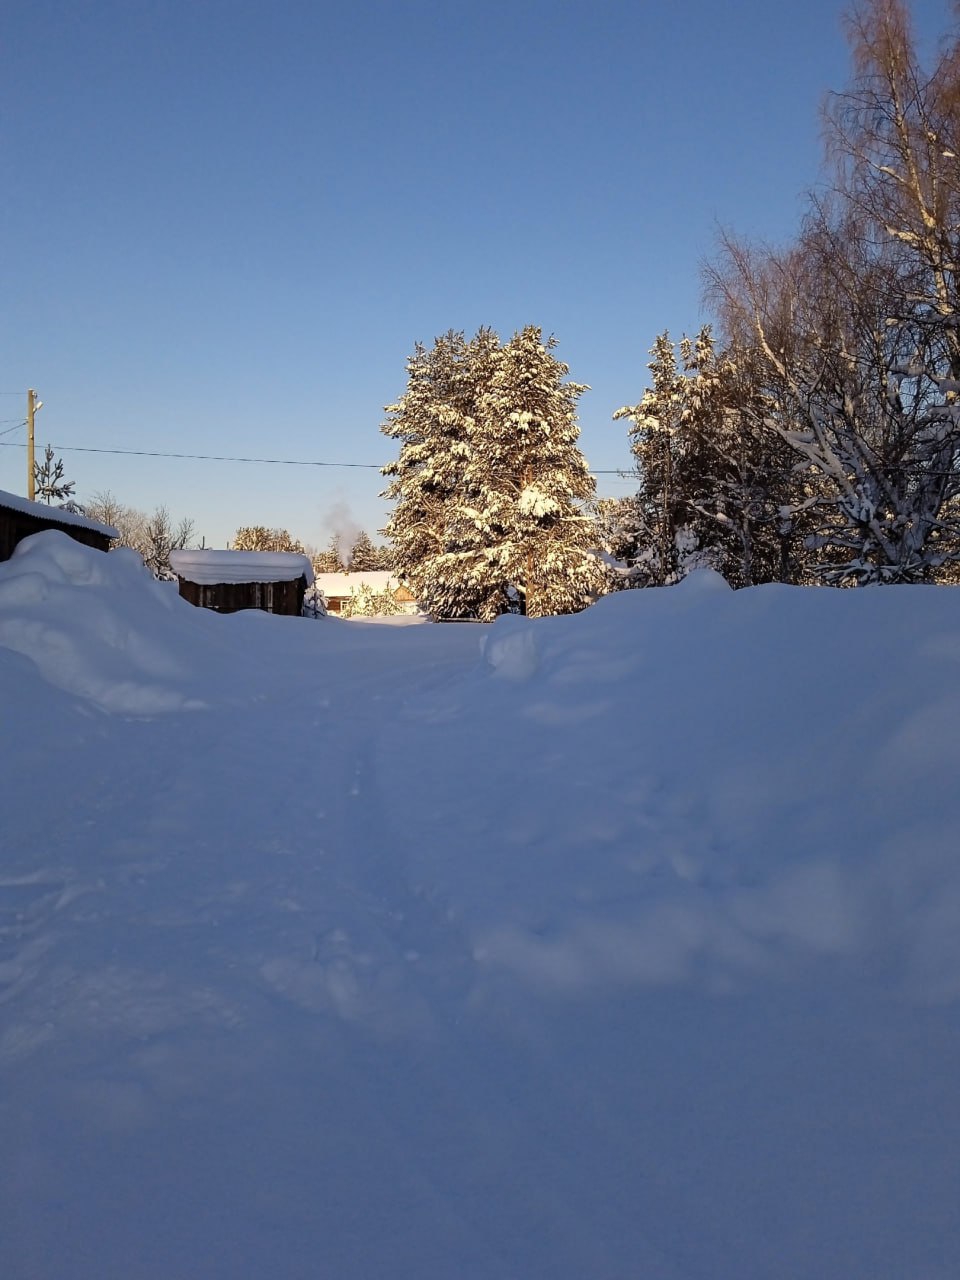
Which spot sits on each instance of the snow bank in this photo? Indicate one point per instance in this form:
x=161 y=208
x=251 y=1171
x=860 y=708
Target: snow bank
x=707 y=787
x=617 y=944
x=510 y=647
x=101 y=627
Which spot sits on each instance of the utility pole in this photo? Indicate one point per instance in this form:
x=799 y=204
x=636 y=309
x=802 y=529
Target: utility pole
x=33 y=404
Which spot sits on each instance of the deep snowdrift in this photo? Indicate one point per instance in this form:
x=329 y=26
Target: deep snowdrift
x=615 y=945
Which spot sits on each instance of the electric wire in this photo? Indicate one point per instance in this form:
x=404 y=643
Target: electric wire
x=220 y=457
x=623 y=473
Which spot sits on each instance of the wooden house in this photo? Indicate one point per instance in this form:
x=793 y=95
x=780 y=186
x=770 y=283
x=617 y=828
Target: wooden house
x=227 y=581
x=336 y=588
x=19 y=518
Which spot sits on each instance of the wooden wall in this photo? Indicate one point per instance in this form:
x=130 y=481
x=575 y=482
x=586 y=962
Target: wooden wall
x=229 y=597
x=17 y=525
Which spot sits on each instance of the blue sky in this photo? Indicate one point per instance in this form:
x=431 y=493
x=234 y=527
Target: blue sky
x=225 y=225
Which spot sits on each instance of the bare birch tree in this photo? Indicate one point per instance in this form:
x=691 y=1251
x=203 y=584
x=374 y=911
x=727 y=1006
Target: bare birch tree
x=857 y=327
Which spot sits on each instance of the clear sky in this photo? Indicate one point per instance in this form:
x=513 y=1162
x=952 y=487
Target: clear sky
x=225 y=225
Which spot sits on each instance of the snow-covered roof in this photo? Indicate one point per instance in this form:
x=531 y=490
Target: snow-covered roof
x=342 y=584
x=14 y=502
x=206 y=568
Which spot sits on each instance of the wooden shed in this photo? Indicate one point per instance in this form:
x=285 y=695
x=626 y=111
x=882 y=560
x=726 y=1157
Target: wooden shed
x=227 y=581
x=19 y=518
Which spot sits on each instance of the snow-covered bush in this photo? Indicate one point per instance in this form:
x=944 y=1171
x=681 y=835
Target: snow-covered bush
x=364 y=602
x=314 y=605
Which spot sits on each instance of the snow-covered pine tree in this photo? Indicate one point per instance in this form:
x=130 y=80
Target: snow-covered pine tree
x=434 y=423
x=618 y=522
x=259 y=538
x=736 y=477
x=49 y=484
x=490 y=486
x=655 y=442
x=416 y=524
x=716 y=483
x=335 y=559
x=525 y=539
x=363 y=554
x=323 y=561
x=383 y=554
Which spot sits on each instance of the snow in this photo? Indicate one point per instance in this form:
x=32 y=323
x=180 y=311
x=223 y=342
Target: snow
x=208 y=568
x=45 y=512
x=510 y=647
x=534 y=502
x=621 y=944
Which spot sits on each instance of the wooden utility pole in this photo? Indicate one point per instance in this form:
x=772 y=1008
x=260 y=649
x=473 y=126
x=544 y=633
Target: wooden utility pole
x=33 y=404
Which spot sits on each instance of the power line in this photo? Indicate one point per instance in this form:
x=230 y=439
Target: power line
x=220 y=457
x=204 y=457
x=622 y=472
